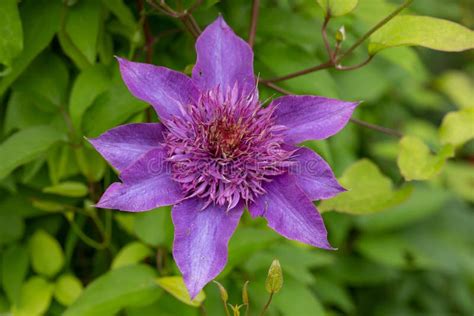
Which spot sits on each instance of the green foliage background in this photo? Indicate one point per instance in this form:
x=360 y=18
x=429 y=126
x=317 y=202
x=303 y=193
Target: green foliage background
x=404 y=247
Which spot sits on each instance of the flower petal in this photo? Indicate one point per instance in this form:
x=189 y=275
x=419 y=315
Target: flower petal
x=147 y=184
x=314 y=176
x=200 y=243
x=311 y=117
x=290 y=213
x=123 y=145
x=223 y=59
x=165 y=89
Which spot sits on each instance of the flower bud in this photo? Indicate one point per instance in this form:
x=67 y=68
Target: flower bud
x=222 y=290
x=341 y=34
x=274 y=281
x=245 y=294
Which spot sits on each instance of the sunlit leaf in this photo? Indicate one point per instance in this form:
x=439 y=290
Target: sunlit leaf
x=417 y=163
x=457 y=127
x=460 y=178
x=108 y=294
x=459 y=87
x=82 y=27
x=368 y=190
x=25 y=146
x=132 y=253
x=14 y=270
x=35 y=297
x=68 y=188
x=67 y=289
x=337 y=7
x=35 y=15
x=88 y=85
x=11 y=34
x=47 y=257
x=408 y=30
x=175 y=286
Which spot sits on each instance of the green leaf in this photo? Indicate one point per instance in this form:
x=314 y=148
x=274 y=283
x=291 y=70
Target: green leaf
x=417 y=163
x=457 y=127
x=67 y=289
x=297 y=299
x=459 y=87
x=132 y=253
x=47 y=257
x=46 y=81
x=35 y=15
x=82 y=26
x=116 y=289
x=26 y=146
x=460 y=179
x=368 y=190
x=14 y=270
x=337 y=7
x=175 y=286
x=89 y=84
x=68 y=188
x=154 y=227
x=423 y=202
x=12 y=227
x=35 y=297
x=113 y=107
x=91 y=163
x=122 y=12
x=408 y=30
x=11 y=34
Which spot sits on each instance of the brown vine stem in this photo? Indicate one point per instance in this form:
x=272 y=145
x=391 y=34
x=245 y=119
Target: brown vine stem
x=334 y=61
x=253 y=22
x=373 y=29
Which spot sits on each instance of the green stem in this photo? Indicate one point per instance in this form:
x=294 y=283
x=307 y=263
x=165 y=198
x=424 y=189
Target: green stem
x=265 y=308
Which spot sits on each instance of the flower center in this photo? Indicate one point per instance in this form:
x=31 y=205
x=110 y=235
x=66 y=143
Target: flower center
x=225 y=147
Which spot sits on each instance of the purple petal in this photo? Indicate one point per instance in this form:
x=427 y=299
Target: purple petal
x=310 y=117
x=123 y=145
x=168 y=91
x=200 y=243
x=314 y=176
x=147 y=184
x=223 y=59
x=290 y=213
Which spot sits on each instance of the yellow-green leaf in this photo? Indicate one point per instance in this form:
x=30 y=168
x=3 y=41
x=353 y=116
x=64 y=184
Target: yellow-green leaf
x=460 y=179
x=25 y=146
x=368 y=191
x=175 y=286
x=11 y=33
x=35 y=297
x=337 y=7
x=67 y=289
x=47 y=257
x=417 y=163
x=459 y=87
x=68 y=188
x=457 y=127
x=132 y=253
x=411 y=30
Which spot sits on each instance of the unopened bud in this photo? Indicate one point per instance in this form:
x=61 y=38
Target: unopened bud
x=341 y=34
x=222 y=290
x=245 y=294
x=274 y=281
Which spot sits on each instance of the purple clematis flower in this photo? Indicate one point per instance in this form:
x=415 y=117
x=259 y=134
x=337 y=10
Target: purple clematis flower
x=217 y=152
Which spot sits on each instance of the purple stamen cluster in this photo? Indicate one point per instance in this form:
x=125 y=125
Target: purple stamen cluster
x=224 y=147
